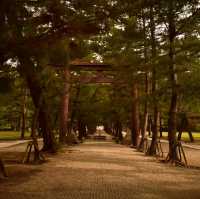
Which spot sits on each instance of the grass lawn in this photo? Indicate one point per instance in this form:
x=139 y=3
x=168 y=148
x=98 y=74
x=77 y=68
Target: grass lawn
x=185 y=136
x=12 y=135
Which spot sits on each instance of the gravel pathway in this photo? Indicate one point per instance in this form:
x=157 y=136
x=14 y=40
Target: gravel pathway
x=100 y=170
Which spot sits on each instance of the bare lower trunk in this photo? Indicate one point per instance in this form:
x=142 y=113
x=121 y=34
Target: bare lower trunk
x=64 y=108
x=47 y=133
x=27 y=71
x=108 y=128
x=44 y=119
x=118 y=131
x=145 y=118
x=23 y=113
x=143 y=131
x=74 y=108
x=172 y=128
x=155 y=131
x=135 y=131
x=37 y=154
x=81 y=130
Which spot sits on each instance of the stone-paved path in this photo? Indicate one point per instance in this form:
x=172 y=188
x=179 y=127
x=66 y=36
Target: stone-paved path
x=100 y=170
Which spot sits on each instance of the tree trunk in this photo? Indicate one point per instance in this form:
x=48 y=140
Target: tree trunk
x=64 y=108
x=23 y=112
x=172 y=123
x=37 y=155
x=155 y=130
x=81 y=129
x=146 y=114
x=45 y=125
x=108 y=128
x=27 y=71
x=155 y=127
x=118 y=127
x=161 y=126
x=145 y=117
x=74 y=108
x=135 y=131
x=191 y=136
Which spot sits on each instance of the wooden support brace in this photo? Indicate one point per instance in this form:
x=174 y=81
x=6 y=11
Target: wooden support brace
x=184 y=156
x=2 y=168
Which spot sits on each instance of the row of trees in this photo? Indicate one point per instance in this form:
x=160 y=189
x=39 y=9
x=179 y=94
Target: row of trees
x=156 y=45
x=153 y=47
x=37 y=34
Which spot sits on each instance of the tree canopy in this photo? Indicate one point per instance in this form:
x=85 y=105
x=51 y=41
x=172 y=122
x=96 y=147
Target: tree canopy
x=151 y=46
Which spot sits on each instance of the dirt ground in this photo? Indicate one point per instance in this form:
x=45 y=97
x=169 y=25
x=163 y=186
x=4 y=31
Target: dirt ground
x=97 y=170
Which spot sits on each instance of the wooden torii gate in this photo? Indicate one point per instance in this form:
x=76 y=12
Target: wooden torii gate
x=98 y=68
x=98 y=78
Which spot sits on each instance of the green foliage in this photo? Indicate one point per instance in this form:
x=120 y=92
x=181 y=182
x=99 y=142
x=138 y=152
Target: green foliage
x=52 y=33
x=11 y=106
x=93 y=104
